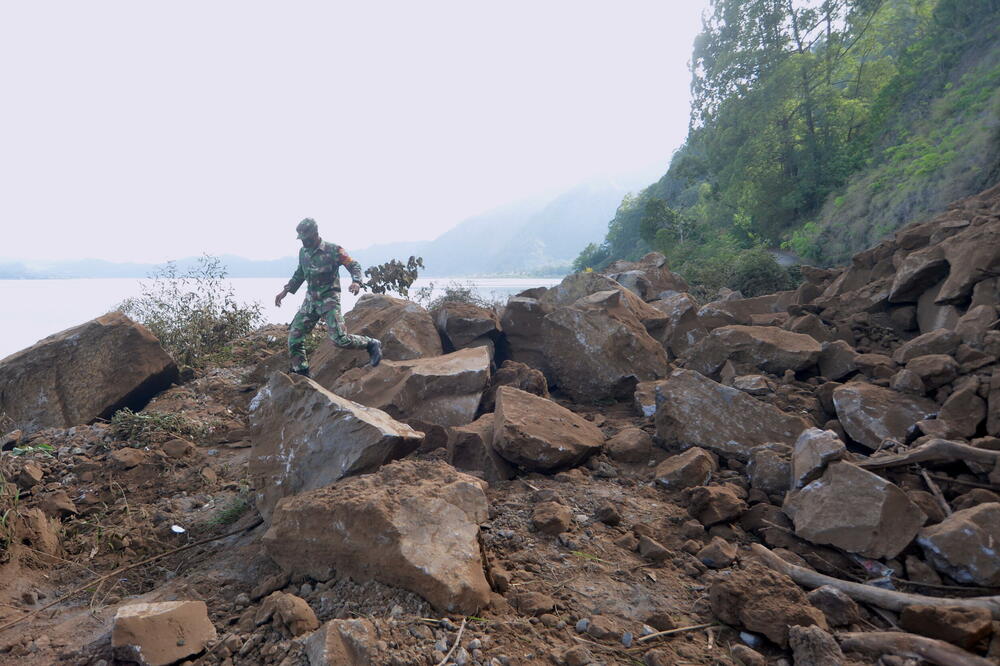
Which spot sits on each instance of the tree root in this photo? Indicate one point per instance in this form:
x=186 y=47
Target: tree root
x=909 y=645
x=934 y=450
x=876 y=596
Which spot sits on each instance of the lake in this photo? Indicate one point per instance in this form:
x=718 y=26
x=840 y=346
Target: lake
x=33 y=309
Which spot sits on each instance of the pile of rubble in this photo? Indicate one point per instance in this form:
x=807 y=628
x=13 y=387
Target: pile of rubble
x=605 y=471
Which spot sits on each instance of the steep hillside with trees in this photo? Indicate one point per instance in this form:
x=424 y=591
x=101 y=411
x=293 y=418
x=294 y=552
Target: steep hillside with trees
x=820 y=126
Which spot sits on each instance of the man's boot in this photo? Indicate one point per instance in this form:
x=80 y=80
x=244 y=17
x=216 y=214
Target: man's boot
x=374 y=352
x=300 y=370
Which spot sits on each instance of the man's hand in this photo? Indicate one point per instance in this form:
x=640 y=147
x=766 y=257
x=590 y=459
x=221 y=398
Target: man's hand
x=354 y=288
x=277 y=299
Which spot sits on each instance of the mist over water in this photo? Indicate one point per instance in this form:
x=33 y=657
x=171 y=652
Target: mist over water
x=34 y=309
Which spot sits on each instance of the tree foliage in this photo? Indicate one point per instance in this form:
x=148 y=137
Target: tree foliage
x=795 y=104
x=393 y=275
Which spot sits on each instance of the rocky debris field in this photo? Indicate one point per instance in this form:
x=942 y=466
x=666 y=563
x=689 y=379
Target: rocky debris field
x=604 y=472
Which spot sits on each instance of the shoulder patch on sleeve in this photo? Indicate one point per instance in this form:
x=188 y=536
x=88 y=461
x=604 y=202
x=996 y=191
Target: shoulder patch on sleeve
x=344 y=257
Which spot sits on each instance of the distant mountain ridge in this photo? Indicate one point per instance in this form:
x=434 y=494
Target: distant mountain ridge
x=533 y=237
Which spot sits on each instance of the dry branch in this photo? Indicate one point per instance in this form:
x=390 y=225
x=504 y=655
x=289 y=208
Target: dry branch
x=909 y=645
x=876 y=596
x=671 y=632
x=458 y=639
x=935 y=450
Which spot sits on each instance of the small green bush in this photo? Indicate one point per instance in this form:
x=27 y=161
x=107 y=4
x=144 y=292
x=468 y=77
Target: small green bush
x=193 y=314
x=756 y=273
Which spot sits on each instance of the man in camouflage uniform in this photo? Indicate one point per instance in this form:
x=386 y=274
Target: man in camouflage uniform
x=319 y=268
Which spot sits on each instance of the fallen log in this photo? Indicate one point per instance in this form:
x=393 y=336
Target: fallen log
x=909 y=645
x=869 y=594
x=935 y=450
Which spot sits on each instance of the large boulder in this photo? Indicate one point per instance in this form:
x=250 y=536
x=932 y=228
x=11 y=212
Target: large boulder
x=766 y=348
x=522 y=325
x=405 y=329
x=973 y=255
x=814 y=450
x=540 y=435
x=305 y=437
x=940 y=341
x=439 y=390
x=919 y=271
x=964 y=545
x=871 y=414
x=696 y=411
x=647 y=278
x=411 y=524
x=518 y=375
x=683 y=328
x=855 y=510
x=580 y=285
x=82 y=374
x=470 y=449
x=598 y=349
x=737 y=310
x=464 y=325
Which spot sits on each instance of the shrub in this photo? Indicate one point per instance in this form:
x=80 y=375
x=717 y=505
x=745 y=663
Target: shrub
x=756 y=272
x=456 y=292
x=194 y=314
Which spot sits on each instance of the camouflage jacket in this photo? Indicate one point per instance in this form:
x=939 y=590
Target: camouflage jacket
x=320 y=270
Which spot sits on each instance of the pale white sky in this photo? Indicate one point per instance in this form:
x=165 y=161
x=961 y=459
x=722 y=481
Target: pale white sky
x=147 y=131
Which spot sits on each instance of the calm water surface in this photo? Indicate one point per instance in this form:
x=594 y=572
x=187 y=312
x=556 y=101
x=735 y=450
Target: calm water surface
x=33 y=309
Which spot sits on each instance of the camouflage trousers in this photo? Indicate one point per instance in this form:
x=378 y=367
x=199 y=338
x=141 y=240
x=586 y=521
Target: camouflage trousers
x=311 y=311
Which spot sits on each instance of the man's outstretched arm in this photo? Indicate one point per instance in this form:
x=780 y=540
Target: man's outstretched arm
x=293 y=285
x=354 y=268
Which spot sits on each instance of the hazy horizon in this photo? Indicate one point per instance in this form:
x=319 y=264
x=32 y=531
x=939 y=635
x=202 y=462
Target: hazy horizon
x=132 y=128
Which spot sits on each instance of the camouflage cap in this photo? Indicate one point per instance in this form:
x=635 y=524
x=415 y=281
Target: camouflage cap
x=307 y=227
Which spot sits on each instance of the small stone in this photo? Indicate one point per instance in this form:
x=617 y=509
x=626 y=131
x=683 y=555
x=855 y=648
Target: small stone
x=694 y=467
x=814 y=646
x=627 y=541
x=551 y=518
x=177 y=448
x=161 y=633
x=582 y=625
x=718 y=554
x=608 y=514
x=919 y=571
x=601 y=628
x=652 y=550
x=534 y=603
x=577 y=656
x=691 y=547
x=748 y=656
x=715 y=504
x=630 y=445
x=29 y=476
x=840 y=610
x=627 y=639
x=960 y=625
